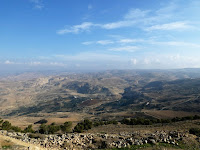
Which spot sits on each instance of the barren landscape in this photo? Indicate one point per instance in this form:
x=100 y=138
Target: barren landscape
x=110 y=95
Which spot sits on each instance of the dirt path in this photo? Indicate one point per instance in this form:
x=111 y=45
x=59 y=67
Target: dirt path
x=28 y=146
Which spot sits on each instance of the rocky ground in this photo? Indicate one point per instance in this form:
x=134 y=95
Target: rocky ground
x=97 y=141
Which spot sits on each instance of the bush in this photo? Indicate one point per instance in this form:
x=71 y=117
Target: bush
x=142 y=121
x=66 y=128
x=43 y=129
x=16 y=129
x=6 y=125
x=29 y=129
x=48 y=129
x=85 y=125
x=53 y=128
x=114 y=122
x=195 y=131
x=96 y=124
x=126 y=121
x=79 y=128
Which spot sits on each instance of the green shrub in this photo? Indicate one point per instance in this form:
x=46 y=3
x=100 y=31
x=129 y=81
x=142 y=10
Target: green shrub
x=79 y=128
x=53 y=128
x=6 y=125
x=66 y=128
x=48 y=129
x=16 y=129
x=29 y=129
x=43 y=129
x=85 y=125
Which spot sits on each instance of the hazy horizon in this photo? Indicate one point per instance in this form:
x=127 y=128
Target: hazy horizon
x=99 y=35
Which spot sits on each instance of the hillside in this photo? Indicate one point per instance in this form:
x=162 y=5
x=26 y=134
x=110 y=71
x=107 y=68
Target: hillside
x=101 y=93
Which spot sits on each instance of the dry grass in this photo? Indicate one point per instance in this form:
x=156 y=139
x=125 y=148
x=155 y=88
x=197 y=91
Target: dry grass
x=22 y=122
x=58 y=118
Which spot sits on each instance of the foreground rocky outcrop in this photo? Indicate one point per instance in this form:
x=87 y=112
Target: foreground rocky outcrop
x=95 y=141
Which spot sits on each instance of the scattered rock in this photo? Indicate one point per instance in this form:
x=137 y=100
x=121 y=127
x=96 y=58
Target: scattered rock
x=94 y=141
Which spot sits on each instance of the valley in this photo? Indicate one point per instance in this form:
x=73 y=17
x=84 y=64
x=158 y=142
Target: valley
x=103 y=96
x=100 y=93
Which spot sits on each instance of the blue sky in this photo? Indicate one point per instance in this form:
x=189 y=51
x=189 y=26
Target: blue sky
x=99 y=34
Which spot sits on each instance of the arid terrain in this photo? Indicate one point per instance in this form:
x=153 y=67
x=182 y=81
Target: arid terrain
x=110 y=95
x=96 y=94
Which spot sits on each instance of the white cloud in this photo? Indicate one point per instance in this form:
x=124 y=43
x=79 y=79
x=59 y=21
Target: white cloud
x=125 y=48
x=172 y=43
x=85 y=26
x=170 y=26
x=38 y=4
x=8 y=62
x=133 y=17
x=176 y=43
x=88 y=57
x=105 y=42
x=101 y=42
x=168 y=9
x=88 y=43
x=135 y=13
x=168 y=17
x=57 y=64
x=35 y=63
x=165 y=61
x=147 y=61
x=130 y=40
x=119 y=24
x=128 y=20
x=134 y=61
x=93 y=60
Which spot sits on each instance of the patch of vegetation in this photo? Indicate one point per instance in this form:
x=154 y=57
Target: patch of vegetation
x=195 y=131
x=85 y=125
x=6 y=147
x=6 y=125
x=49 y=129
x=176 y=119
x=29 y=129
x=100 y=123
x=66 y=128
x=142 y=121
x=16 y=128
x=6 y=144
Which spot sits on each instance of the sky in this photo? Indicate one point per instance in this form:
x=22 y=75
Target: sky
x=99 y=34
